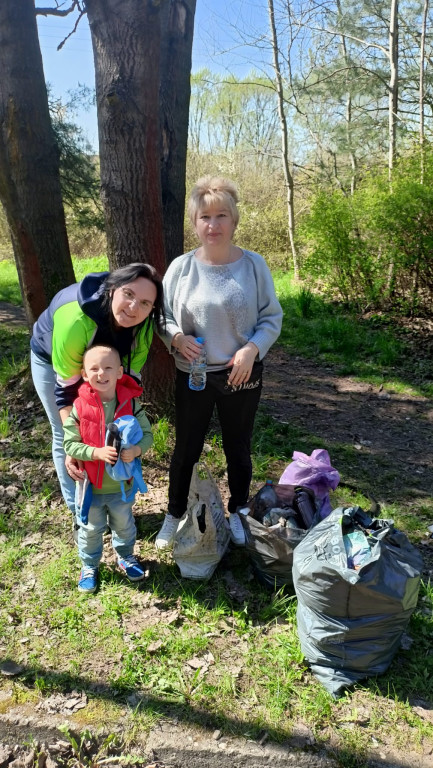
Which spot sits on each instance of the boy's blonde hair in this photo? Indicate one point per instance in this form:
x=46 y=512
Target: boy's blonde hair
x=101 y=346
x=213 y=190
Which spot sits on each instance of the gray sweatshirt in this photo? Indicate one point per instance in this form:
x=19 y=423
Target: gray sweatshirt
x=228 y=305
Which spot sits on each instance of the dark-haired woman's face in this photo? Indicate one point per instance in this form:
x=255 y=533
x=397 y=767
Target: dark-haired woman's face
x=133 y=302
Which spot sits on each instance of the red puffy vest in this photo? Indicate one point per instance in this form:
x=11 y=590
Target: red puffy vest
x=92 y=418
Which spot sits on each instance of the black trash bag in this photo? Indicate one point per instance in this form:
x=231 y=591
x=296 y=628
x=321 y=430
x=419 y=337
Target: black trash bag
x=350 y=622
x=271 y=548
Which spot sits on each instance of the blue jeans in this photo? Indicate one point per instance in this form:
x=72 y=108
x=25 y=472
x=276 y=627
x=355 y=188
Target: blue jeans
x=106 y=508
x=44 y=380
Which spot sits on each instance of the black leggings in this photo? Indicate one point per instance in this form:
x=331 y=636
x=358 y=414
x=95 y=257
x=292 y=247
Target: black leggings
x=236 y=412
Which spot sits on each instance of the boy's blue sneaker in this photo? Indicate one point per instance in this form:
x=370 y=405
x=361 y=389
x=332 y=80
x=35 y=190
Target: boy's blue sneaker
x=88 y=581
x=131 y=568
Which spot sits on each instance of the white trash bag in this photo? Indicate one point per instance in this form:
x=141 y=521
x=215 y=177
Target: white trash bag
x=203 y=534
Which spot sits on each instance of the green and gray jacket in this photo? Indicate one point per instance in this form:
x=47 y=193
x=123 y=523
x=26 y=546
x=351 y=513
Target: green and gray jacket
x=75 y=320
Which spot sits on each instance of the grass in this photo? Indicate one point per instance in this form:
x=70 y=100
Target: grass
x=318 y=330
x=206 y=654
x=9 y=286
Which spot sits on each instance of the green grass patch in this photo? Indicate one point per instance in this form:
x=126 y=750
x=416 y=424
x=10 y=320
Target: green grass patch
x=162 y=439
x=9 y=285
x=358 y=347
x=14 y=346
x=83 y=267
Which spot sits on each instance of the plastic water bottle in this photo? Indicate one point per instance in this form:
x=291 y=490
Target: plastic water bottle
x=197 y=370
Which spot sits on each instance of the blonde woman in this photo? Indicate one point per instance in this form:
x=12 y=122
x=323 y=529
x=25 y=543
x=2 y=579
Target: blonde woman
x=224 y=294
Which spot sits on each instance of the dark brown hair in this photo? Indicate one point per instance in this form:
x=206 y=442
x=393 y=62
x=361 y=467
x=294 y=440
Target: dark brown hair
x=128 y=274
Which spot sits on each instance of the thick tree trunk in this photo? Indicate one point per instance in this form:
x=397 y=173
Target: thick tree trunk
x=127 y=45
x=175 y=91
x=126 y=48
x=29 y=162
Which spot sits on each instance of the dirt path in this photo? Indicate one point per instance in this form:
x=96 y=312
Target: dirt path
x=387 y=437
x=12 y=315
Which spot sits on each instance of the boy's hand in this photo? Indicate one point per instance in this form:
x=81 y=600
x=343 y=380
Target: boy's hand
x=129 y=454
x=107 y=453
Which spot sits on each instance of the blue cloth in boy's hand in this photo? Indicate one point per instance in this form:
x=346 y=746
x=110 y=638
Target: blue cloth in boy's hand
x=130 y=433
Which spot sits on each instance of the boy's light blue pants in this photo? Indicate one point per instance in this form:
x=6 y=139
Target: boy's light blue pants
x=107 y=508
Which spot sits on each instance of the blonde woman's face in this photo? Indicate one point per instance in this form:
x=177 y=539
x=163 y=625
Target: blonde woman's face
x=214 y=225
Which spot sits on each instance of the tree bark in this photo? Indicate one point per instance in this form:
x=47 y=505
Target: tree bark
x=175 y=90
x=126 y=47
x=142 y=54
x=29 y=163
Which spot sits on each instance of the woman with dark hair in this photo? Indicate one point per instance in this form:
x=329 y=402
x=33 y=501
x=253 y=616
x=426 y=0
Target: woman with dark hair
x=119 y=309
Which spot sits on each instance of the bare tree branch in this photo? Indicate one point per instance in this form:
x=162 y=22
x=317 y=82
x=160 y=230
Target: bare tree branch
x=338 y=33
x=57 y=11
x=60 y=45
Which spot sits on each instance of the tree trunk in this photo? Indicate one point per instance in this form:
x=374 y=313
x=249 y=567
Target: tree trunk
x=126 y=48
x=288 y=177
x=29 y=163
x=175 y=91
x=392 y=117
x=393 y=85
x=135 y=67
x=422 y=88
x=353 y=160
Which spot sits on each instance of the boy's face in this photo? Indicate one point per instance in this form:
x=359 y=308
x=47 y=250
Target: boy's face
x=102 y=369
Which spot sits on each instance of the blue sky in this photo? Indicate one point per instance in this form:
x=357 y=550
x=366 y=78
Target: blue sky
x=216 y=46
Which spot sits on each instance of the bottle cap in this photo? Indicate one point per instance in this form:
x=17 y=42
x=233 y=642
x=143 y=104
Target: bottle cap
x=200 y=339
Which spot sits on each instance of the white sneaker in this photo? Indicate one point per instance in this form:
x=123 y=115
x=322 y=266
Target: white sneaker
x=237 y=532
x=167 y=533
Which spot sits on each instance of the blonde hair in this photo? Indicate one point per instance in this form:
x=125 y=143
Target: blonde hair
x=213 y=190
x=108 y=347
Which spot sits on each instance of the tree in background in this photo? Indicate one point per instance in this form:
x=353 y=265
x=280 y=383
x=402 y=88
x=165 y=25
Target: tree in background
x=29 y=163
x=177 y=24
x=356 y=93
x=142 y=54
x=79 y=181
x=126 y=40
x=78 y=168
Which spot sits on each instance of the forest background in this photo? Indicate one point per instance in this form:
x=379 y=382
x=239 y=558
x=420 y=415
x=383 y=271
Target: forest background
x=328 y=136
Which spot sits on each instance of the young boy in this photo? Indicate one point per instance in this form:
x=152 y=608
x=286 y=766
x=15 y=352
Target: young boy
x=105 y=394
